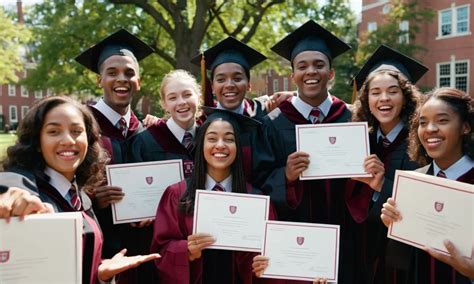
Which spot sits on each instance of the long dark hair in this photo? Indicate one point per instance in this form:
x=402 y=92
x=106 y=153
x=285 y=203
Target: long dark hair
x=198 y=180
x=361 y=110
x=462 y=104
x=24 y=153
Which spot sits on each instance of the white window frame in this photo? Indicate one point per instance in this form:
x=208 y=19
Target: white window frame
x=38 y=94
x=24 y=91
x=405 y=28
x=452 y=72
x=454 y=21
x=285 y=84
x=24 y=110
x=371 y=27
x=275 y=85
x=10 y=112
x=11 y=90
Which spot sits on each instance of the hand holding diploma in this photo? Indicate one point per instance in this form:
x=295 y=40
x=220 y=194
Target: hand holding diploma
x=390 y=213
x=296 y=163
x=20 y=202
x=376 y=168
x=119 y=263
x=198 y=242
x=455 y=259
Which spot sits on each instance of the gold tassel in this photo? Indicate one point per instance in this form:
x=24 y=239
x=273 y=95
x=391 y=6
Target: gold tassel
x=203 y=79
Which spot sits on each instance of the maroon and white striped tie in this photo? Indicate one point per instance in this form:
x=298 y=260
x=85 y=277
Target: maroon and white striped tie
x=441 y=174
x=122 y=126
x=75 y=199
x=314 y=115
x=218 y=187
x=187 y=140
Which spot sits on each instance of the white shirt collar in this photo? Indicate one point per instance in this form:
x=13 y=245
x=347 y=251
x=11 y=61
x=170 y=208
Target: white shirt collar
x=177 y=131
x=239 y=110
x=226 y=183
x=457 y=169
x=111 y=114
x=59 y=182
x=392 y=135
x=305 y=108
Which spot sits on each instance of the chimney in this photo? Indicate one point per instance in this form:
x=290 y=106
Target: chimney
x=19 y=9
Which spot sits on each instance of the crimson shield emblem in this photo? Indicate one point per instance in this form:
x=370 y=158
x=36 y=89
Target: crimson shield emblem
x=4 y=256
x=332 y=139
x=299 y=240
x=149 y=180
x=438 y=206
x=232 y=209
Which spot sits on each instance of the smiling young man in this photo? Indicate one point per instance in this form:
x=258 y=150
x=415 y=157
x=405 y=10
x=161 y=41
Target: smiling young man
x=310 y=50
x=115 y=60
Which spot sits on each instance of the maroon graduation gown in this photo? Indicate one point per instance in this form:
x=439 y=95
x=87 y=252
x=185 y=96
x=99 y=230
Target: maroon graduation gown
x=315 y=201
x=91 y=237
x=371 y=233
x=171 y=230
x=422 y=268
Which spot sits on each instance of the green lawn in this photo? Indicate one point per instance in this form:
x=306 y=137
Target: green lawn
x=5 y=141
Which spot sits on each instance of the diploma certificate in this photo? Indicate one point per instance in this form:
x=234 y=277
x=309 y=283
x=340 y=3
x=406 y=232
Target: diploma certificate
x=433 y=209
x=235 y=220
x=43 y=248
x=301 y=251
x=143 y=185
x=336 y=150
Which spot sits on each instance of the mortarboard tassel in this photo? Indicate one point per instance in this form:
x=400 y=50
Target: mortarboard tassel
x=354 y=91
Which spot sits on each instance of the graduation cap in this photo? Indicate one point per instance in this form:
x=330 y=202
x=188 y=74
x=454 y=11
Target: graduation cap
x=386 y=58
x=121 y=43
x=229 y=50
x=310 y=37
x=242 y=122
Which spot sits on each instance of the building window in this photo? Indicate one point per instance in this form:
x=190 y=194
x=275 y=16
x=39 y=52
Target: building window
x=372 y=27
x=454 y=21
x=453 y=74
x=404 y=36
x=275 y=85
x=38 y=94
x=11 y=90
x=24 y=91
x=13 y=114
x=285 y=84
x=24 y=110
x=386 y=9
x=49 y=92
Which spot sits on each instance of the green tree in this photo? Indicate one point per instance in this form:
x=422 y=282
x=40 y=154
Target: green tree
x=13 y=37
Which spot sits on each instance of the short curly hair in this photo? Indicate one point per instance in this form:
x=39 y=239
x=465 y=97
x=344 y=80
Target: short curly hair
x=461 y=103
x=24 y=153
x=361 y=110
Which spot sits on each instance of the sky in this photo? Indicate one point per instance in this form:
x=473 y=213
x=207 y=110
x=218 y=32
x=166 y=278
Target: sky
x=356 y=4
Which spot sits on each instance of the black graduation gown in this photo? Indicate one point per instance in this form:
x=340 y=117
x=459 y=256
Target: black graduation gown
x=416 y=266
x=315 y=201
x=117 y=146
x=91 y=237
x=371 y=233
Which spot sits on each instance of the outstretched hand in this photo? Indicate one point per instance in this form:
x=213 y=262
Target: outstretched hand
x=119 y=263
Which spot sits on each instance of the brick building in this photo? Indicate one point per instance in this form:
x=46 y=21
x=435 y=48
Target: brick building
x=447 y=38
x=271 y=82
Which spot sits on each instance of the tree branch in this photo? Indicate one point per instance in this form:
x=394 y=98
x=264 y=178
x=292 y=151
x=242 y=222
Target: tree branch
x=257 y=17
x=149 y=9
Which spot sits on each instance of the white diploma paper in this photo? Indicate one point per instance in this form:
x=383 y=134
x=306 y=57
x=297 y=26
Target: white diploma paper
x=336 y=150
x=235 y=220
x=433 y=209
x=43 y=248
x=143 y=185
x=301 y=251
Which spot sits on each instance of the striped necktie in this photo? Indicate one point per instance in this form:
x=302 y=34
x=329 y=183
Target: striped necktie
x=75 y=199
x=384 y=141
x=187 y=140
x=314 y=115
x=441 y=174
x=122 y=126
x=218 y=187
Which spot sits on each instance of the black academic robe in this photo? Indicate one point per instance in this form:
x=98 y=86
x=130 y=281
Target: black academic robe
x=314 y=201
x=418 y=267
x=91 y=237
x=157 y=143
x=117 y=237
x=171 y=230
x=371 y=233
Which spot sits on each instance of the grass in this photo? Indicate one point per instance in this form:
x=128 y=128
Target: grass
x=5 y=141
